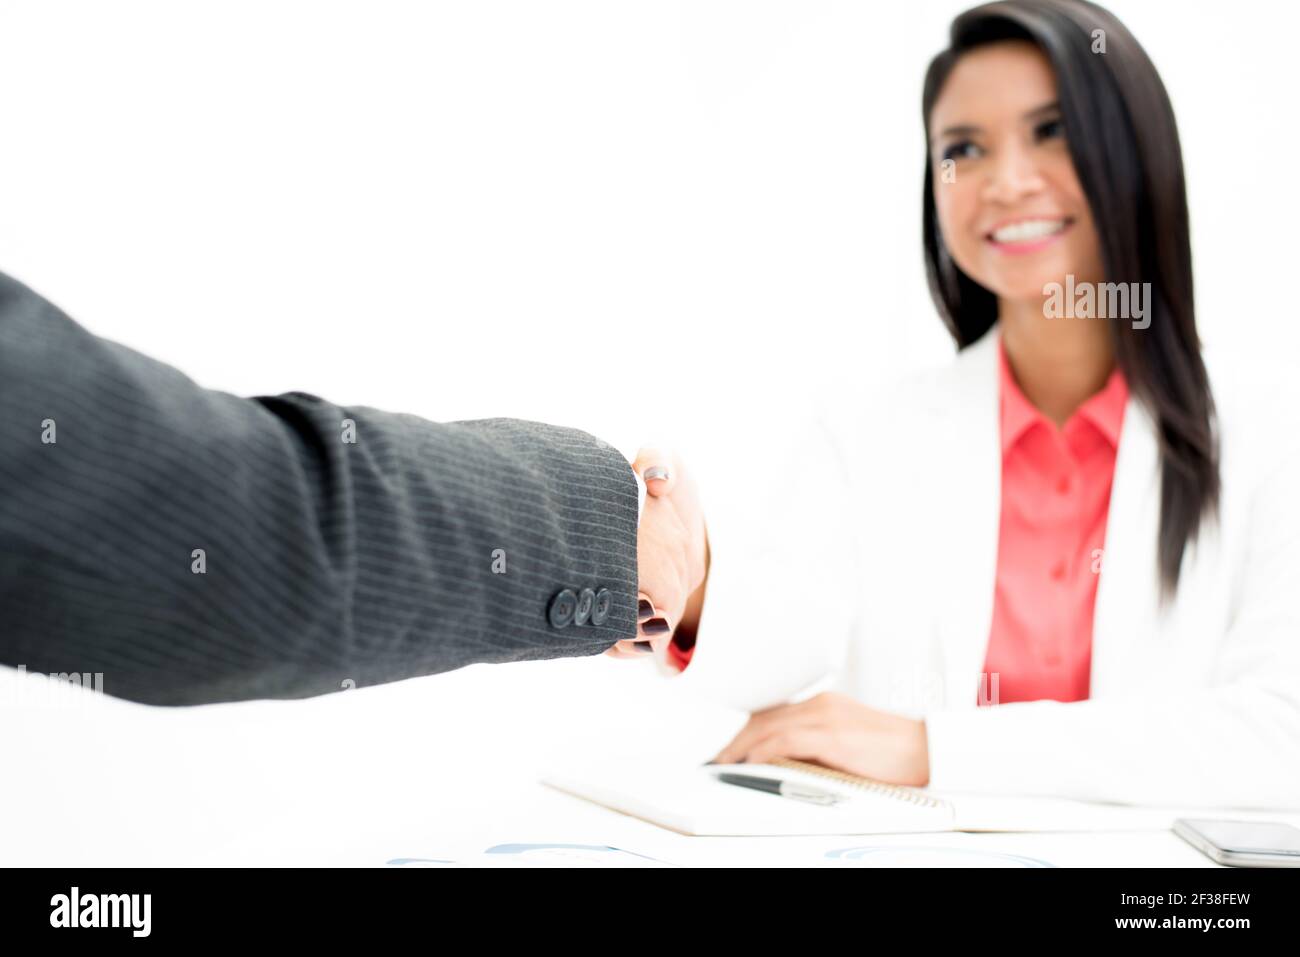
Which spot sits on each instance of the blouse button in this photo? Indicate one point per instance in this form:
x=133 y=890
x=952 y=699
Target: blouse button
x=1058 y=571
x=1063 y=486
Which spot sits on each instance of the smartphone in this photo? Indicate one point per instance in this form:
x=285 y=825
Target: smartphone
x=1243 y=843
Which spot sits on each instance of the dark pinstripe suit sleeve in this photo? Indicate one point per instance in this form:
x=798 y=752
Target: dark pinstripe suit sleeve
x=323 y=561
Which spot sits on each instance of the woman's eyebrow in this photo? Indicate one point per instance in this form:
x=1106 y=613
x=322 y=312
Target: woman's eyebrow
x=967 y=129
x=1053 y=107
x=970 y=129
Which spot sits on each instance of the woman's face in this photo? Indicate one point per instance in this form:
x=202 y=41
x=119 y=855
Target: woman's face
x=1013 y=214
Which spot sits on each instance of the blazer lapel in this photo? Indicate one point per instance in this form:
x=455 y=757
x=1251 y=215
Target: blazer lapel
x=1127 y=611
x=971 y=490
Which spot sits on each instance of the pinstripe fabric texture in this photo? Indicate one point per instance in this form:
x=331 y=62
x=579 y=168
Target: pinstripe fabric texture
x=325 y=561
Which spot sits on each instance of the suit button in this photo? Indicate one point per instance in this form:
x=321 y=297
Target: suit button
x=586 y=601
x=563 y=606
x=604 y=600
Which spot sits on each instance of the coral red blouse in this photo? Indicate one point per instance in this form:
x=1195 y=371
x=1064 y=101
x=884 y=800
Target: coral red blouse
x=1055 y=497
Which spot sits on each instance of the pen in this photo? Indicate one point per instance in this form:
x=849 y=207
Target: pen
x=790 y=789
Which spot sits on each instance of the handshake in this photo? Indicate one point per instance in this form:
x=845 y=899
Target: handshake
x=672 y=556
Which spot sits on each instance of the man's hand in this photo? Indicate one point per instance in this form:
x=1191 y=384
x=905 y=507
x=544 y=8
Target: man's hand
x=672 y=550
x=836 y=731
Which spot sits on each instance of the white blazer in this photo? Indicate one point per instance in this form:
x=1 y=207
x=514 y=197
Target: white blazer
x=872 y=573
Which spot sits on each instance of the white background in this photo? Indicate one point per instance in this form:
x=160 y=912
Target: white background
x=649 y=220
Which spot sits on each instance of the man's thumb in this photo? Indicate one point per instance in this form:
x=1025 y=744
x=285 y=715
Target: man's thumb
x=655 y=467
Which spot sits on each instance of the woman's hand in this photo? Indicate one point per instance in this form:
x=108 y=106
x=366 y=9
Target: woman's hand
x=672 y=549
x=836 y=731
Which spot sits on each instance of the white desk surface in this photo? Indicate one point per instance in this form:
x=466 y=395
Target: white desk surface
x=433 y=772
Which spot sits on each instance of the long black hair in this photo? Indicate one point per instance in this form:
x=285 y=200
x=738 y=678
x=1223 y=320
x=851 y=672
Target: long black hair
x=1122 y=137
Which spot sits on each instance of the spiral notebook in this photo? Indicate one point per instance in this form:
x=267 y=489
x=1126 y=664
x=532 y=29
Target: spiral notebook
x=691 y=800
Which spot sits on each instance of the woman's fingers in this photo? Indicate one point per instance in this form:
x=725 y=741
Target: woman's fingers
x=638 y=647
x=641 y=646
x=652 y=624
x=658 y=629
x=802 y=744
x=761 y=724
x=631 y=649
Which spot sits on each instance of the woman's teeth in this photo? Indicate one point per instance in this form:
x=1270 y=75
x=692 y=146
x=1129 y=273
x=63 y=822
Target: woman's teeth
x=1028 y=229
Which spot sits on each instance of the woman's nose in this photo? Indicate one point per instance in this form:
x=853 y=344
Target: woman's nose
x=1012 y=176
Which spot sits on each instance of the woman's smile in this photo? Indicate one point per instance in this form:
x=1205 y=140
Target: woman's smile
x=1027 y=235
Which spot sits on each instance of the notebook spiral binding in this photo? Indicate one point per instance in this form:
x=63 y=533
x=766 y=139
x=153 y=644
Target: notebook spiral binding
x=896 y=791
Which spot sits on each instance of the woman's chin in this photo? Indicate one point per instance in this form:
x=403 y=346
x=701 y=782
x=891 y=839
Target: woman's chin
x=1028 y=283
x=1030 y=292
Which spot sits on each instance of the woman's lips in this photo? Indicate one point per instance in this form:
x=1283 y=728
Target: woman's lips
x=1029 y=244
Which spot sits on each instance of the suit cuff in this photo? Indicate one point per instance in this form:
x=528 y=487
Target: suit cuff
x=629 y=452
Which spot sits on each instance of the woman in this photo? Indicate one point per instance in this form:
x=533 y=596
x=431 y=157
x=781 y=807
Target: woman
x=1064 y=564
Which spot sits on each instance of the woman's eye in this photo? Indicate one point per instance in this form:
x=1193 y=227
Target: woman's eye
x=964 y=149
x=1049 y=129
